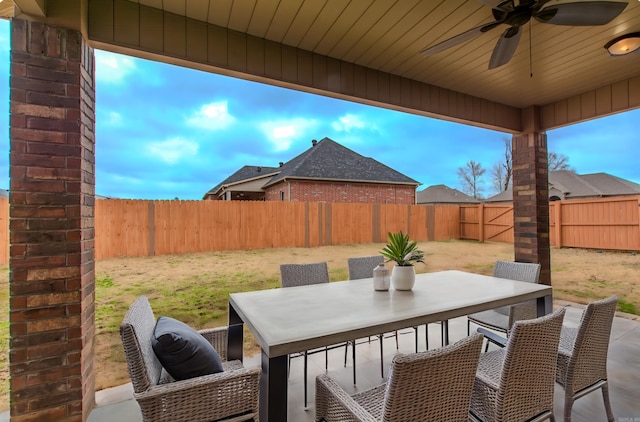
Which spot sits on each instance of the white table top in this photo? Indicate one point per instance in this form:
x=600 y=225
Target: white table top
x=301 y=318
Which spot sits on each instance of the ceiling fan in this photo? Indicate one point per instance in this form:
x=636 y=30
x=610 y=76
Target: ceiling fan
x=585 y=13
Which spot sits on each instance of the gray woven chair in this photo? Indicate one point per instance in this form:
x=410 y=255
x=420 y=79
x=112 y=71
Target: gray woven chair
x=231 y=395
x=295 y=275
x=502 y=319
x=516 y=383
x=582 y=355
x=428 y=386
x=359 y=268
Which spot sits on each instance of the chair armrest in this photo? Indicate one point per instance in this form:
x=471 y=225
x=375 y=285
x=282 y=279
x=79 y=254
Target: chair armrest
x=333 y=403
x=218 y=339
x=216 y=396
x=493 y=337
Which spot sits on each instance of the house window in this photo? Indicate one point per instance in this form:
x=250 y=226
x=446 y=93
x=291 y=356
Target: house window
x=282 y=195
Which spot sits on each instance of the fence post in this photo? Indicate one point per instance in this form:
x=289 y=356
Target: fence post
x=375 y=223
x=328 y=224
x=151 y=241
x=431 y=222
x=481 y=223
x=638 y=209
x=558 y=228
x=307 y=235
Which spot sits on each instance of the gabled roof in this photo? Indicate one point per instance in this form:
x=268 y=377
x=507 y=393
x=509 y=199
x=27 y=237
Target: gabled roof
x=245 y=174
x=328 y=160
x=442 y=194
x=607 y=183
x=504 y=196
x=569 y=185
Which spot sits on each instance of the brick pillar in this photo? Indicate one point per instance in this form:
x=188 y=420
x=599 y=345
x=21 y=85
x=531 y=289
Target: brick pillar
x=52 y=167
x=531 y=201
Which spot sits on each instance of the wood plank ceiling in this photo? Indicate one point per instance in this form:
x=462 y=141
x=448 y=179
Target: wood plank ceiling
x=551 y=63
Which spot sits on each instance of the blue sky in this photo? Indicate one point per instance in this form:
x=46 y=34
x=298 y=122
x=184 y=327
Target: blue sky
x=165 y=131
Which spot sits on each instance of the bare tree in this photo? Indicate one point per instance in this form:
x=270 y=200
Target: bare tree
x=559 y=161
x=501 y=171
x=471 y=179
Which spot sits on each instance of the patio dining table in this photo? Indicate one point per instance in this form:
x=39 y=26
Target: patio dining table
x=285 y=321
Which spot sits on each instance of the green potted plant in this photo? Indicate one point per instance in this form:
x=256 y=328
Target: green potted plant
x=405 y=254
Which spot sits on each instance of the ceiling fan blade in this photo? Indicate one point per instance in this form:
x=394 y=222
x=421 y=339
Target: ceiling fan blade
x=506 y=47
x=581 y=13
x=499 y=4
x=460 y=38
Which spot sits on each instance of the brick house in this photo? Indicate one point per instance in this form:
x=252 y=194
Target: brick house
x=326 y=172
x=245 y=184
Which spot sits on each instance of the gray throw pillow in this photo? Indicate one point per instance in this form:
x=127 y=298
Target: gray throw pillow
x=182 y=351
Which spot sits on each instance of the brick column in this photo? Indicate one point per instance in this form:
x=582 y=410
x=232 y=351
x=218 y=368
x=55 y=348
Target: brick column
x=531 y=201
x=52 y=167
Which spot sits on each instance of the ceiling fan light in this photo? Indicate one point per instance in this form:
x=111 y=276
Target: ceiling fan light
x=624 y=44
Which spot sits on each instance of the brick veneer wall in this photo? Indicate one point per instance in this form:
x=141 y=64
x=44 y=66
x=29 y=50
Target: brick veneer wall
x=531 y=202
x=310 y=191
x=52 y=167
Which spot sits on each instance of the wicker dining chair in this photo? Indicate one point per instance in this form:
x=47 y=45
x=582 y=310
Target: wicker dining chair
x=516 y=383
x=434 y=385
x=582 y=355
x=229 y=395
x=359 y=268
x=296 y=275
x=502 y=319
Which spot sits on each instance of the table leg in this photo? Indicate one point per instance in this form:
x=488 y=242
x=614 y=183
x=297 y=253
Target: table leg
x=235 y=336
x=273 y=389
x=544 y=305
x=445 y=332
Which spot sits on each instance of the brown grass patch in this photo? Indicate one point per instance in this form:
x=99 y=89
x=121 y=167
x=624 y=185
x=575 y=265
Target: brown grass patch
x=195 y=287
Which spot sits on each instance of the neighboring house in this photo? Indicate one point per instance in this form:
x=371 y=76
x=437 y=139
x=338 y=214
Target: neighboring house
x=443 y=195
x=326 y=172
x=245 y=184
x=565 y=184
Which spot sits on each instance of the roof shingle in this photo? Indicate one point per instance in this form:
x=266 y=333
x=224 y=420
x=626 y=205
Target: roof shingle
x=245 y=173
x=442 y=194
x=328 y=160
x=569 y=185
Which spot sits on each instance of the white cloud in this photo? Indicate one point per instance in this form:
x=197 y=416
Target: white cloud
x=212 y=116
x=113 y=68
x=281 y=133
x=173 y=150
x=284 y=132
x=112 y=118
x=348 y=122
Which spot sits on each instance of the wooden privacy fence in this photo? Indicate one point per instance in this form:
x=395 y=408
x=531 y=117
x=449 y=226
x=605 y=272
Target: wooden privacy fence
x=4 y=231
x=610 y=223
x=147 y=228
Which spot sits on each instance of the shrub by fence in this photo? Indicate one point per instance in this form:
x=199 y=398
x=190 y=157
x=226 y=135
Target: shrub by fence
x=147 y=228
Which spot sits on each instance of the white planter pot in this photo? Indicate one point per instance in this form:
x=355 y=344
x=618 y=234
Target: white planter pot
x=403 y=278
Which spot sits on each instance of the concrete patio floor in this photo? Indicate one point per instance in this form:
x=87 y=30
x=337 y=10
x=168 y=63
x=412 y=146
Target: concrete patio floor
x=623 y=368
